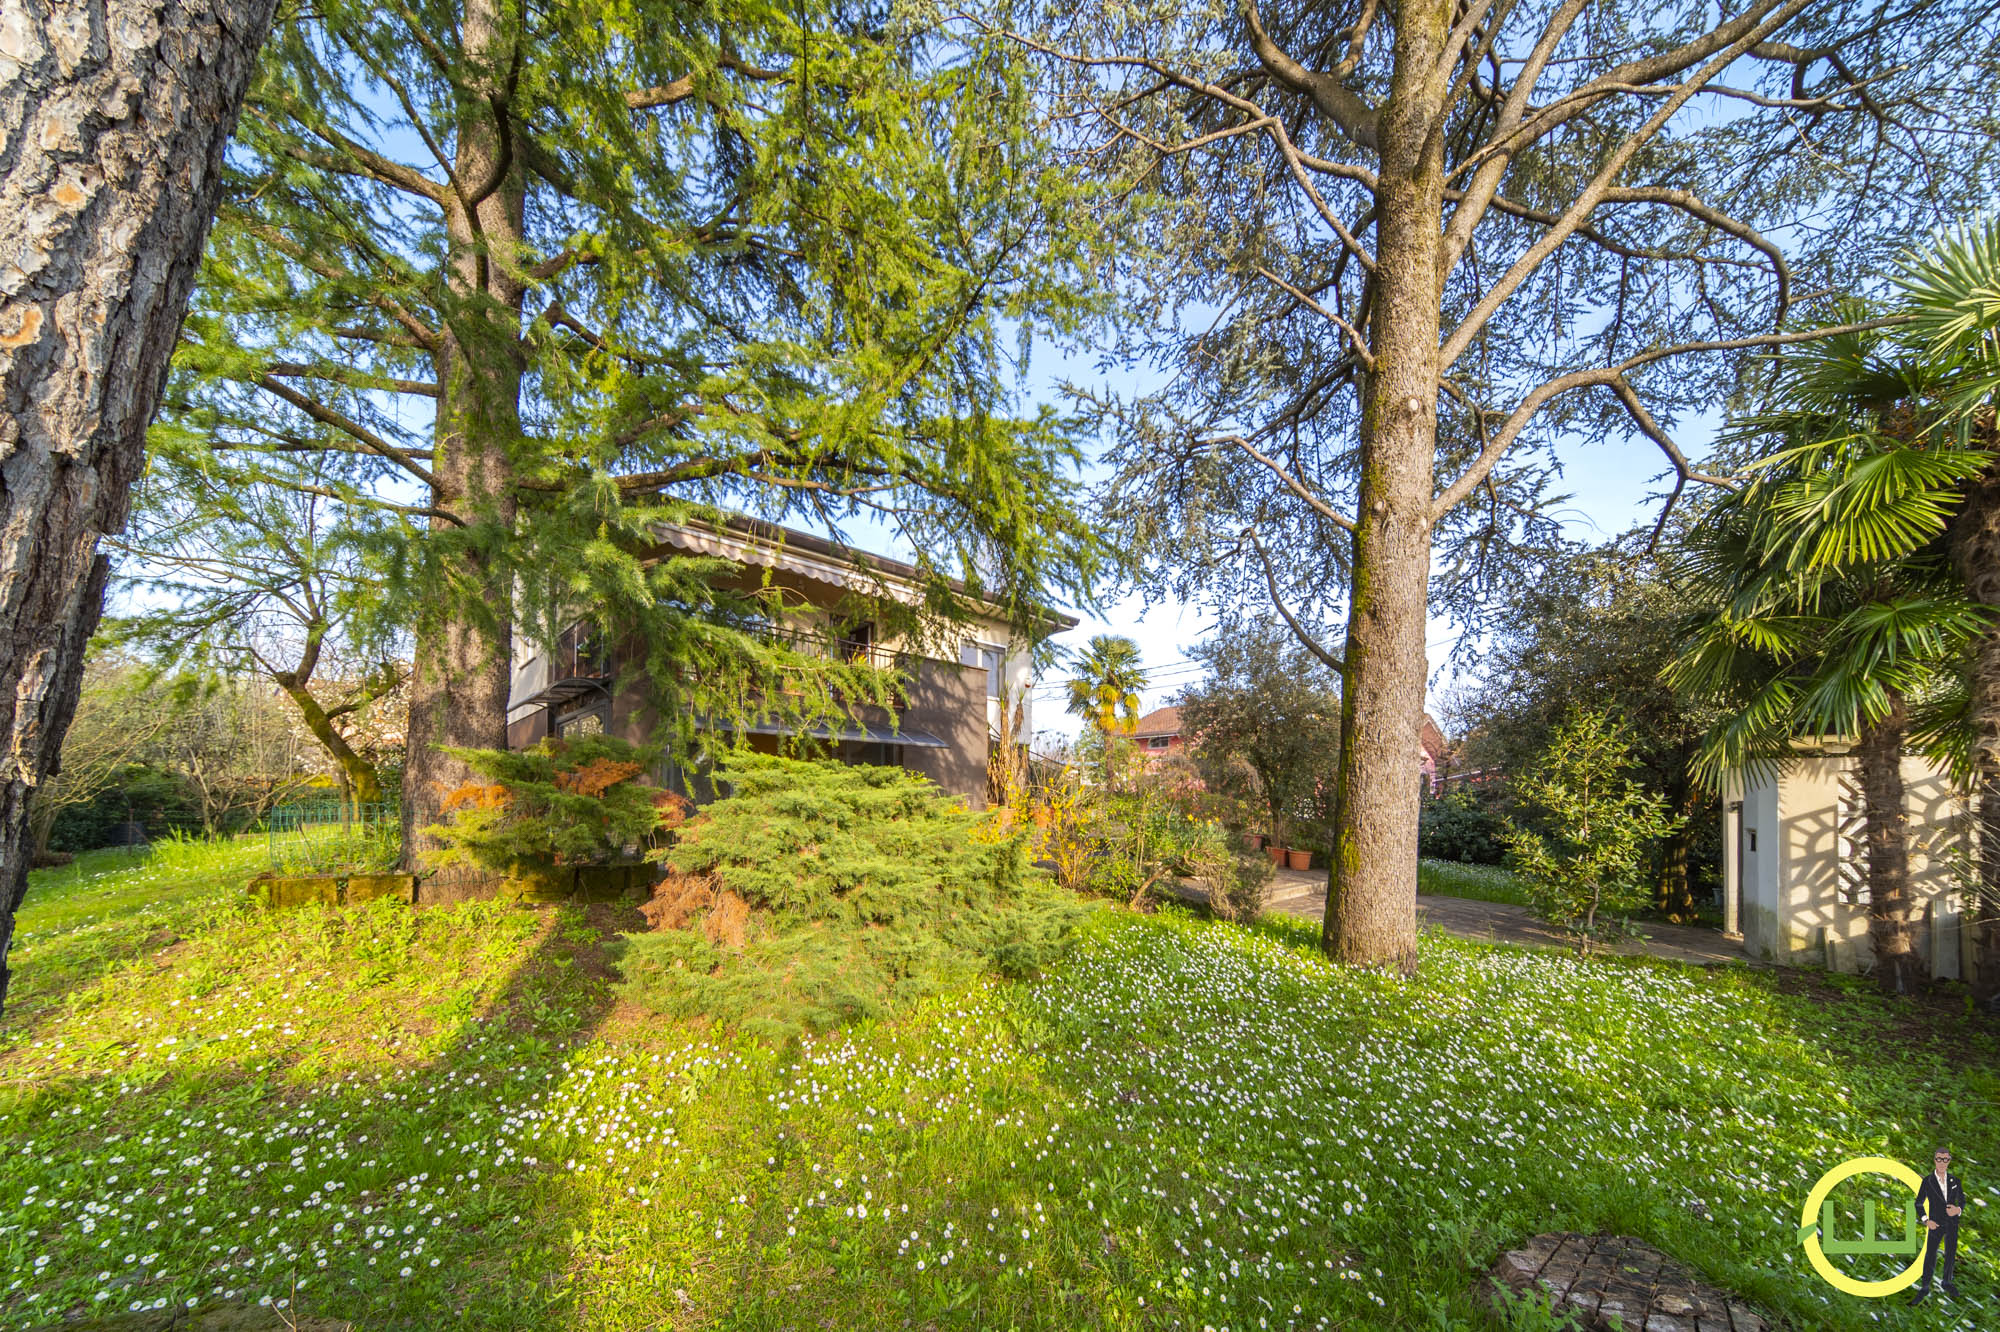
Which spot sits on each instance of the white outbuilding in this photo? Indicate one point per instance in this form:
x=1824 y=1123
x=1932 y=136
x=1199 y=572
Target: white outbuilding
x=1795 y=863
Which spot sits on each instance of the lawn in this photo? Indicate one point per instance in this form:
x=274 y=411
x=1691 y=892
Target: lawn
x=421 y=1119
x=1481 y=883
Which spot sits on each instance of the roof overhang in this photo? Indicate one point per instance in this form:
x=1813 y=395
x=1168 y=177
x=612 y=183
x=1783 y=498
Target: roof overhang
x=807 y=555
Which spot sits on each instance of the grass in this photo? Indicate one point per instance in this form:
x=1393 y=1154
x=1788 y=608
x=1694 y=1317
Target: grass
x=425 y=1119
x=1481 y=883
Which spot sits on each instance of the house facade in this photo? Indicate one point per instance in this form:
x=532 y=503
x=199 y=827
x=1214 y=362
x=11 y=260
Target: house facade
x=1433 y=754
x=1795 y=864
x=1159 y=732
x=949 y=714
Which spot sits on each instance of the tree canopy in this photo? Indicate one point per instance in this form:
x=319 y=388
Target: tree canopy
x=1109 y=679
x=517 y=286
x=1400 y=256
x=1265 y=701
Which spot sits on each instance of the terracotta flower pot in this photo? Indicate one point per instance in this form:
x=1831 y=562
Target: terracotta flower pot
x=1256 y=840
x=1276 y=853
x=1299 y=860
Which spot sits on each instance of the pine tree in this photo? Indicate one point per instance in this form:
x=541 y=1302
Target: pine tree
x=648 y=264
x=115 y=116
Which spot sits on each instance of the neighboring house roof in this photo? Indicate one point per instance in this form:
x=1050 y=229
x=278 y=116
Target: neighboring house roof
x=755 y=541
x=1158 y=722
x=1431 y=738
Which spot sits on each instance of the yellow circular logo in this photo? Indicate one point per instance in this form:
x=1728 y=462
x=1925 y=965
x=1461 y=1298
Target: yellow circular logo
x=1811 y=1224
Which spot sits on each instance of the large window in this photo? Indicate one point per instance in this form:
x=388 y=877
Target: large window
x=987 y=656
x=583 y=652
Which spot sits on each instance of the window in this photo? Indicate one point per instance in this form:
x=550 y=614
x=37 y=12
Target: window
x=581 y=723
x=1159 y=741
x=583 y=652
x=856 y=642
x=988 y=656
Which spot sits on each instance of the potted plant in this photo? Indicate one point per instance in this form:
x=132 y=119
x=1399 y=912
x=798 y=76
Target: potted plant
x=1299 y=858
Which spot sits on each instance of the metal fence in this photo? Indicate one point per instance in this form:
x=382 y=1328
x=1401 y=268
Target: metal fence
x=318 y=836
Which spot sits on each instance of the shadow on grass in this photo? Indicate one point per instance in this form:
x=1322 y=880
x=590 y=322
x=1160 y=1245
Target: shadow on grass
x=371 y=1172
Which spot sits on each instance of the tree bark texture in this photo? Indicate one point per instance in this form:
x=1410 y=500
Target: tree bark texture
x=1676 y=893
x=1890 y=925
x=1371 y=903
x=1975 y=546
x=459 y=688
x=113 y=119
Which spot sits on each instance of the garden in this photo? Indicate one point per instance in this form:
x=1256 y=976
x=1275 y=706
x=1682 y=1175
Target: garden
x=388 y=1117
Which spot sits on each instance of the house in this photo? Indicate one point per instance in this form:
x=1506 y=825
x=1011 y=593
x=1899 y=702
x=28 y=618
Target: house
x=1433 y=754
x=1159 y=732
x=950 y=711
x=1795 y=863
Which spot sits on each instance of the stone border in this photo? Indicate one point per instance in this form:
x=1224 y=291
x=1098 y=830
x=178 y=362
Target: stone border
x=567 y=883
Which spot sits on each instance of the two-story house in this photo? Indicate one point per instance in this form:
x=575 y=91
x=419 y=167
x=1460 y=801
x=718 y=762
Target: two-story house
x=950 y=712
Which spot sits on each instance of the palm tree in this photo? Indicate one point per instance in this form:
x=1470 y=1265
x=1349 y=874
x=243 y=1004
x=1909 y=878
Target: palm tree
x=1835 y=604
x=1105 y=692
x=1953 y=292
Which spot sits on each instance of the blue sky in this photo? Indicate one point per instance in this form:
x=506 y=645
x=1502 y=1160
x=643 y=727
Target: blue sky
x=1612 y=487
x=1609 y=485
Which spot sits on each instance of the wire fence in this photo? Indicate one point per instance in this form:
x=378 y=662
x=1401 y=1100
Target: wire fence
x=320 y=836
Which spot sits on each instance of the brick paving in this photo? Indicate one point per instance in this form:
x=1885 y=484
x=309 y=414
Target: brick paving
x=1615 y=1281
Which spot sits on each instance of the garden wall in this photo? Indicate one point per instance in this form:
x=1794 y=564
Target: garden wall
x=563 y=883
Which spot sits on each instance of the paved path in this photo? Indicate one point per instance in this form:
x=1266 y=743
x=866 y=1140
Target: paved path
x=1303 y=894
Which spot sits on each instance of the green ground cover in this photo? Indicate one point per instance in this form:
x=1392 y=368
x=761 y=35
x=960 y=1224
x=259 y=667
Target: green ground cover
x=444 y=1118
x=1481 y=883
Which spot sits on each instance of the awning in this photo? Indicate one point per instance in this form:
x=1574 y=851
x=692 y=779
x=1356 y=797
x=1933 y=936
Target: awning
x=562 y=691
x=861 y=731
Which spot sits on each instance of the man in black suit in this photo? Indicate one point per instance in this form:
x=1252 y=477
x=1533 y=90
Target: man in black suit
x=1939 y=1202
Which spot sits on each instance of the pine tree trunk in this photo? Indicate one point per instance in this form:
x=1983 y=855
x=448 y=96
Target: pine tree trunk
x=1891 y=927
x=113 y=118
x=1371 y=903
x=458 y=690
x=1975 y=544
x=1676 y=896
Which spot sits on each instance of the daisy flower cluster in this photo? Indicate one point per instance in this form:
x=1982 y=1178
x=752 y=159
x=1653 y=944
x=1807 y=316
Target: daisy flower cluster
x=405 y=1118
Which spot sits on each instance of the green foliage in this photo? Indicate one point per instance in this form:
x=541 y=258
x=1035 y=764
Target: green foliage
x=1595 y=628
x=1594 y=825
x=566 y=801
x=795 y=279
x=844 y=891
x=1478 y=883
x=1202 y=1094
x=153 y=796
x=1460 y=825
x=1234 y=875
x=1827 y=591
x=1268 y=704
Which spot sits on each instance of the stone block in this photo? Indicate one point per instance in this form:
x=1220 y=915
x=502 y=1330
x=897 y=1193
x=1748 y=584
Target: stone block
x=367 y=887
x=278 y=891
